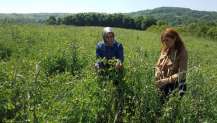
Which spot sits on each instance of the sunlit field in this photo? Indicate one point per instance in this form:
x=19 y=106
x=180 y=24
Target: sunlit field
x=47 y=75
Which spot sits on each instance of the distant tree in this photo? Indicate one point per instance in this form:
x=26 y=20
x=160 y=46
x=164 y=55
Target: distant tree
x=147 y=22
x=212 y=33
x=59 y=21
x=161 y=23
x=52 y=20
x=128 y=22
x=138 y=22
x=97 y=19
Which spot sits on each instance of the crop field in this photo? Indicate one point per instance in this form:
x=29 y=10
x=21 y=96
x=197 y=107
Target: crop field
x=47 y=75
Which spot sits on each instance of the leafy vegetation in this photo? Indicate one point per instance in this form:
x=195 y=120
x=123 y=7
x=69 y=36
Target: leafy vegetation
x=29 y=94
x=97 y=19
x=5 y=52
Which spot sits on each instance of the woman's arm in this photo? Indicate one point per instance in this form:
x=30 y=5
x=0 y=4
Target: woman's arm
x=183 y=63
x=157 y=68
x=182 y=70
x=180 y=75
x=120 y=54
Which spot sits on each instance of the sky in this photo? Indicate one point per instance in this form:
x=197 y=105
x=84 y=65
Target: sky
x=105 y=6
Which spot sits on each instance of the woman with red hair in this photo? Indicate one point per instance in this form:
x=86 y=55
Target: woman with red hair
x=171 y=66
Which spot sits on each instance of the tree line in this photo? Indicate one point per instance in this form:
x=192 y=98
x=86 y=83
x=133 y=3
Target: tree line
x=203 y=29
x=198 y=28
x=97 y=19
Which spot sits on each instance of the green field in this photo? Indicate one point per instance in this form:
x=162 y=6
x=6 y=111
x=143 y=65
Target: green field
x=47 y=75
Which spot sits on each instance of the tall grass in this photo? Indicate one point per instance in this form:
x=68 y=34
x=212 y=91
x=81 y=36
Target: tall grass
x=49 y=77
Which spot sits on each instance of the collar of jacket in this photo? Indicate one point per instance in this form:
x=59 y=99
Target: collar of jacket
x=112 y=43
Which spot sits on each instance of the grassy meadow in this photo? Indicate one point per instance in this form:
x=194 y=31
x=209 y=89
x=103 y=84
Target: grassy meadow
x=47 y=75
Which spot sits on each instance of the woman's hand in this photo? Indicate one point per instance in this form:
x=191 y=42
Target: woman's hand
x=157 y=75
x=162 y=82
x=118 y=66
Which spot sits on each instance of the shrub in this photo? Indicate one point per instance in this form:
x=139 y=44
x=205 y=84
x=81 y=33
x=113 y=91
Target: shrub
x=55 y=64
x=5 y=52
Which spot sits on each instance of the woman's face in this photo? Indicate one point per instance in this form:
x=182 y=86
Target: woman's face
x=169 y=41
x=109 y=38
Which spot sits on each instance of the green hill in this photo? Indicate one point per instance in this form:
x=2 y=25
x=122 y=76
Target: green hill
x=177 y=16
x=29 y=18
x=171 y=15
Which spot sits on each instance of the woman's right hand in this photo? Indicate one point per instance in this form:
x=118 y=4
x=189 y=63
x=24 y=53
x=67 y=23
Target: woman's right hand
x=119 y=66
x=162 y=82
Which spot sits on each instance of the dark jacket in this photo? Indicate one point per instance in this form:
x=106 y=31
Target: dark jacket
x=109 y=52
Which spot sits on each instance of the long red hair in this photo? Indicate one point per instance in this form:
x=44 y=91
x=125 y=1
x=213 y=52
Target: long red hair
x=172 y=33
